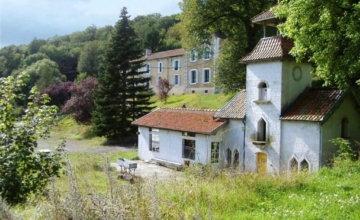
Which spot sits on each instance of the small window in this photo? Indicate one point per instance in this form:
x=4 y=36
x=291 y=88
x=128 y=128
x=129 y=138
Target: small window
x=214 y=152
x=193 y=76
x=344 y=128
x=189 y=134
x=160 y=67
x=304 y=165
x=206 y=75
x=176 y=80
x=228 y=156
x=263 y=91
x=158 y=80
x=189 y=147
x=193 y=56
x=294 y=164
x=147 y=68
x=261 y=134
x=207 y=53
x=154 y=141
x=176 y=65
x=236 y=158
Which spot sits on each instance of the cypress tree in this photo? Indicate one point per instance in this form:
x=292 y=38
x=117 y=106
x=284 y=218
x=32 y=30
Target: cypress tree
x=123 y=94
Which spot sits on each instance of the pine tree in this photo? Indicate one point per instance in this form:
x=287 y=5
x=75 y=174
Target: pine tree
x=123 y=93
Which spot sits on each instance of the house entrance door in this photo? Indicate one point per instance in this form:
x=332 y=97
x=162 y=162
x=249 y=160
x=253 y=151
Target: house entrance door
x=261 y=163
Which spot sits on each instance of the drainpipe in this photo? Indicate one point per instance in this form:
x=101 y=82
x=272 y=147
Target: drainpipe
x=207 y=150
x=321 y=142
x=243 y=152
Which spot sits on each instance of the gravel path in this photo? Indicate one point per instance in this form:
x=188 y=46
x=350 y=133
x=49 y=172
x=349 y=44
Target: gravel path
x=83 y=145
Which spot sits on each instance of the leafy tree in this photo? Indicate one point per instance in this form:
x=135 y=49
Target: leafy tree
x=23 y=172
x=44 y=73
x=59 y=93
x=326 y=33
x=123 y=94
x=230 y=20
x=81 y=103
x=10 y=59
x=163 y=88
x=35 y=45
x=33 y=59
x=91 y=58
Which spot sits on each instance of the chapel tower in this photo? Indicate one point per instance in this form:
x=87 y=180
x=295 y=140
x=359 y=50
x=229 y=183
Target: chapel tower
x=273 y=81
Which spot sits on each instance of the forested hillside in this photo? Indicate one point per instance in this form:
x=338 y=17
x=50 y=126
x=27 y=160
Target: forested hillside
x=62 y=58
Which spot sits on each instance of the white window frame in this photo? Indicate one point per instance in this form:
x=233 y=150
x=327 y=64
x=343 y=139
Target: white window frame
x=178 y=61
x=154 y=140
x=263 y=93
x=160 y=67
x=190 y=76
x=207 y=51
x=203 y=76
x=178 y=81
x=147 y=66
x=193 y=56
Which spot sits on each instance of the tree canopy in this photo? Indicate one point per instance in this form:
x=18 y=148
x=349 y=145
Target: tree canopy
x=230 y=20
x=326 y=33
x=123 y=94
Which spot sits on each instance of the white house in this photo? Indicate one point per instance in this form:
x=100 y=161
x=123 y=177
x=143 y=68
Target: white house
x=279 y=123
x=179 y=136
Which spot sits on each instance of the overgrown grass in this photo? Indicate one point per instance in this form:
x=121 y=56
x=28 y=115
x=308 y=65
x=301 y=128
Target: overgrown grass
x=202 y=193
x=213 y=101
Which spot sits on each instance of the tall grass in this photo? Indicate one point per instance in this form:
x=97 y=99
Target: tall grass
x=202 y=193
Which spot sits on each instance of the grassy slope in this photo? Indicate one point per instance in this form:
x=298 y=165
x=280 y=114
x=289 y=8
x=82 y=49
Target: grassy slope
x=204 y=194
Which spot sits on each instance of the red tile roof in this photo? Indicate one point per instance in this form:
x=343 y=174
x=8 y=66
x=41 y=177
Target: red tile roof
x=270 y=48
x=182 y=119
x=265 y=15
x=235 y=108
x=315 y=104
x=164 y=54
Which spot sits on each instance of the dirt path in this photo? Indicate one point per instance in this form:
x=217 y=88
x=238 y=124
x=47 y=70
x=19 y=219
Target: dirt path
x=82 y=145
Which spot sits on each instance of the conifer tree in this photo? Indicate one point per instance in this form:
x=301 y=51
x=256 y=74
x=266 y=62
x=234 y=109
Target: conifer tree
x=123 y=94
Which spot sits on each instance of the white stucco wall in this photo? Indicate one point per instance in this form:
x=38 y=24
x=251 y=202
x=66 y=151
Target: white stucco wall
x=232 y=137
x=300 y=140
x=171 y=146
x=332 y=127
x=271 y=73
x=282 y=90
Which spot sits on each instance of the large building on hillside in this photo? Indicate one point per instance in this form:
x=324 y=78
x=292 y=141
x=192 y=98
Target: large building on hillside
x=279 y=123
x=186 y=70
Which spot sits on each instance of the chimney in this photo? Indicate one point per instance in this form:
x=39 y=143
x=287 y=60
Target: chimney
x=147 y=52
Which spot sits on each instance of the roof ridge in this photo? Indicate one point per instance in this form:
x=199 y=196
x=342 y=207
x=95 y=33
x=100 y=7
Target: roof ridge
x=191 y=109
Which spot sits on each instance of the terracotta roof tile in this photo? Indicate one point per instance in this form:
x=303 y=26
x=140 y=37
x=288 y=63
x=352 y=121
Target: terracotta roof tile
x=235 y=108
x=265 y=15
x=315 y=104
x=182 y=119
x=269 y=48
x=164 y=54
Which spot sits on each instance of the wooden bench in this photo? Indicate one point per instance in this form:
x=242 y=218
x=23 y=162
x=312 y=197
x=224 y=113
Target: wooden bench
x=127 y=165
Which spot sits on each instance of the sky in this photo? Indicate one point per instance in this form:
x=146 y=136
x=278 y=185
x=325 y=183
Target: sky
x=23 y=20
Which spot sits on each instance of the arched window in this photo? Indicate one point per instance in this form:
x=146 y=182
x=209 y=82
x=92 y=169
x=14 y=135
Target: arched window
x=294 y=166
x=228 y=156
x=261 y=136
x=263 y=91
x=236 y=158
x=344 y=128
x=158 y=80
x=304 y=165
